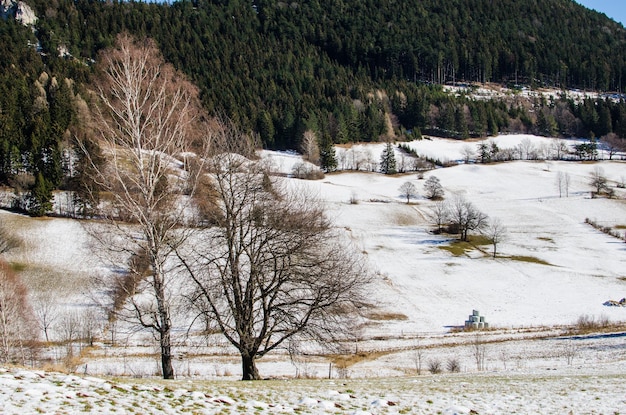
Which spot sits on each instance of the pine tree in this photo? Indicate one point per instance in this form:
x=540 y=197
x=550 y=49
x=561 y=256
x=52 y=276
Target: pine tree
x=328 y=160
x=40 y=197
x=388 y=160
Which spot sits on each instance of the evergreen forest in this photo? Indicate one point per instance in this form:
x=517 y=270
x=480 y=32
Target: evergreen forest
x=348 y=71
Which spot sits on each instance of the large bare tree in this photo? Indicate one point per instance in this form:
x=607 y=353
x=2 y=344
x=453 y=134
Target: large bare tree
x=270 y=266
x=146 y=115
x=465 y=217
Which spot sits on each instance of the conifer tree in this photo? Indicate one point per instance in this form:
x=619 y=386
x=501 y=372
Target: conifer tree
x=328 y=159
x=388 y=160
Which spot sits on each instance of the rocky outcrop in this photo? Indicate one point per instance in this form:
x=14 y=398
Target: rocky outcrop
x=18 y=10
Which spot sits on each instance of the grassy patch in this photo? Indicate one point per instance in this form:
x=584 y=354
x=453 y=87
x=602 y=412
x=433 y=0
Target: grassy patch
x=381 y=316
x=18 y=266
x=531 y=259
x=404 y=218
x=620 y=226
x=479 y=240
x=458 y=247
x=545 y=238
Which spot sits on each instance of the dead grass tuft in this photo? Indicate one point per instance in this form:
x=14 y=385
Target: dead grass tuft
x=531 y=259
x=383 y=316
x=404 y=219
x=345 y=361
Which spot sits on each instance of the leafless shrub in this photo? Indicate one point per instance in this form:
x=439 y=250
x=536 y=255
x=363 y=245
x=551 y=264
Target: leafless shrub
x=299 y=360
x=453 y=365
x=306 y=171
x=569 y=351
x=354 y=199
x=434 y=366
x=586 y=323
x=479 y=350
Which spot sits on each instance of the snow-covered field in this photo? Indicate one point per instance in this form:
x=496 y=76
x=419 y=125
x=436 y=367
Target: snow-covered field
x=29 y=392
x=552 y=268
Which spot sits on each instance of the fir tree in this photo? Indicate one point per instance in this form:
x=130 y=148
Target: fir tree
x=388 y=160
x=328 y=160
x=40 y=197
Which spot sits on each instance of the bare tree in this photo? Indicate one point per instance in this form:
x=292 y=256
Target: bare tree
x=310 y=148
x=408 y=190
x=526 y=148
x=46 y=310
x=17 y=325
x=479 y=350
x=496 y=233
x=418 y=356
x=439 y=214
x=464 y=216
x=559 y=148
x=569 y=350
x=147 y=114
x=433 y=188
x=468 y=153
x=270 y=267
x=613 y=144
x=566 y=183
x=598 y=180
x=560 y=178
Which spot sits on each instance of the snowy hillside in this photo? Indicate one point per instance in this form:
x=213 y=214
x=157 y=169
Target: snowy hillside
x=551 y=269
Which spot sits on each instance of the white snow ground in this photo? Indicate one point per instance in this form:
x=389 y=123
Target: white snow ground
x=570 y=270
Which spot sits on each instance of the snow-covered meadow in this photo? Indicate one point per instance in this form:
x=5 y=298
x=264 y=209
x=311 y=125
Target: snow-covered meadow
x=552 y=269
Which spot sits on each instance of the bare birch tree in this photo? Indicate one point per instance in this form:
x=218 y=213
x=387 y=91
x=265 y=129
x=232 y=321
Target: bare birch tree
x=270 y=268
x=310 y=148
x=146 y=115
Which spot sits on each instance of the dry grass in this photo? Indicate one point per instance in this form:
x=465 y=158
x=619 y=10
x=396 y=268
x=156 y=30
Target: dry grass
x=385 y=316
x=347 y=360
x=546 y=239
x=530 y=259
x=404 y=219
x=457 y=248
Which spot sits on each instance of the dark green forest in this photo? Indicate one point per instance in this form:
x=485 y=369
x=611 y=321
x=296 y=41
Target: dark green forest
x=347 y=70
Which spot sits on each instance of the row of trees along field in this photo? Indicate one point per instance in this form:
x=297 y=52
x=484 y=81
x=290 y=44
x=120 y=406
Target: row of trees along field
x=347 y=71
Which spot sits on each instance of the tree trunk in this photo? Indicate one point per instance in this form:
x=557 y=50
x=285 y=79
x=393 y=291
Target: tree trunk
x=166 y=356
x=248 y=366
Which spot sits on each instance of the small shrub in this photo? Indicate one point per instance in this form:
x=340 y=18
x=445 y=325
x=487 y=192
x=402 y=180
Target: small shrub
x=585 y=322
x=453 y=365
x=307 y=171
x=434 y=366
x=354 y=199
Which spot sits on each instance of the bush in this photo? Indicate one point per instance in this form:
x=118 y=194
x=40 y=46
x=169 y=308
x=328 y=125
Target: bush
x=306 y=171
x=453 y=365
x=434 y=366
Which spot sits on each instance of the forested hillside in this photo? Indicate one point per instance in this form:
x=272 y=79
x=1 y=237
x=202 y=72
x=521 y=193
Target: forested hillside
x=345 y=70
